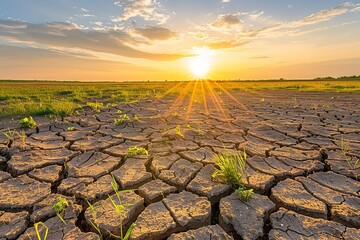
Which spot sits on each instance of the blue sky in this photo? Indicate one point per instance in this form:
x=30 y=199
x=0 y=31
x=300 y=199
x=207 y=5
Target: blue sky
x=271 y=35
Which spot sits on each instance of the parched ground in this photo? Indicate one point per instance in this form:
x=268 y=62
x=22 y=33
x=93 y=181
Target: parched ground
x=305 y=186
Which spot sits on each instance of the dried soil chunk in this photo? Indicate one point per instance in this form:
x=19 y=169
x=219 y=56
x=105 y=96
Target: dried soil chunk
x=92 y=164
x=259 y=181
x=203 y=155
x=49 y=174
x=203 y=185
x=155 y=191
x=155 y=222
x=96 y=142
x=22 y=192
x=256 y=146
x=107 y=218
x=4 y=176
x=296 y=154
x=274 y=167
x=180 y=173
x=213 y=232
x=290 y=225
x=26 y=161
x=291 y=194
x=12 y=224
x=246 y=218
x=337 y=182
x=69 y=186
x=95 y=190
x=133 y=173
x=189 y=210
x=160 y=163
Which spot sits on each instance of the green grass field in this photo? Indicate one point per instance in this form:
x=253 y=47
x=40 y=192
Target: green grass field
x=31 y=98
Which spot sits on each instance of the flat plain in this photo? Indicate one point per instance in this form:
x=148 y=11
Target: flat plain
x=302 y=141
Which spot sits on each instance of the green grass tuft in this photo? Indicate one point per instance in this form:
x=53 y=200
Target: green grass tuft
x=27 y=122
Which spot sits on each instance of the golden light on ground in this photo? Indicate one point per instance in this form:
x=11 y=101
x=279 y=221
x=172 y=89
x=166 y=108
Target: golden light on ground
x=201 y=63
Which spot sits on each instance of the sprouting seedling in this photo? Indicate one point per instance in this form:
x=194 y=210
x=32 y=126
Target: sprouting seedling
x=344 y=145
x=120 y=208
x=70 y=128
x=178 y=131
x=60 y=205
x=134 y=151
x=136 y=118
x=244 y=194
x=262 y=99
x=27 y=122
x=121 y=119
x=36 y=227
x=11 y=134
x=94 y=223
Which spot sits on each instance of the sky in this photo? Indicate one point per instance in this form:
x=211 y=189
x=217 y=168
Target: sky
x=121 y=40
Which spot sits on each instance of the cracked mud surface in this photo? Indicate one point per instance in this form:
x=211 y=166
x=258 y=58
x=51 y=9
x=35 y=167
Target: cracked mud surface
x=305 y=186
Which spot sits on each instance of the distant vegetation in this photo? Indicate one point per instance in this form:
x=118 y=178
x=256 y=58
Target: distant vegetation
x=32 y=98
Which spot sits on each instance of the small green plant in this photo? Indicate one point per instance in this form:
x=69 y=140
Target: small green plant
x=231 y=168
x=70 y=129
x=262 y=99
x=60 y=205
x=121 y=119
x=36 y=227
x=96 y=106
x=11 y=135
x=120 y=209
x=27 y=122
x=344 y=145
x=94 y=223
x=178 y=131
x=244 y=194
x=136 y=118
x=134 y=151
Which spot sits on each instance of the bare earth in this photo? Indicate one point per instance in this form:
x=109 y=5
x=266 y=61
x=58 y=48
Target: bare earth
x=306 y=188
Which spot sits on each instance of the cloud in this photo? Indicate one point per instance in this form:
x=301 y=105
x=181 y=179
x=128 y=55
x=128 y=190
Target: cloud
x=156 y=33
x=146 y=9
x=65 y=35
x=225 y=1
x=256 y=15
x=227 y=21
x=224 y=44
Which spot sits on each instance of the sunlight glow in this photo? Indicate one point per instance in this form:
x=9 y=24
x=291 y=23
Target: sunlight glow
x=200 y=64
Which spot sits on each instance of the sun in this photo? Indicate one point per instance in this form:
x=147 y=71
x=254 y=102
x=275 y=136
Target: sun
x=200 y=64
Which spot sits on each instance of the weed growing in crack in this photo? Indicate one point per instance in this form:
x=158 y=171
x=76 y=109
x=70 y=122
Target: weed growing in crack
x=120 y=209
x=37 y=231
x=231 y=169
x=11 y=135
x=94 y=223
x=134 y=151
x=121 y=119
x=70 y=129
x=136 y=118
x=60 y=205
x=27 y=122
x=178 y=131
x=344 y=145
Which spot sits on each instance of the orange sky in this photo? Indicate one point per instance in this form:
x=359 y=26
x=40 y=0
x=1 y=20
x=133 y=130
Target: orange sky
x=159 y=40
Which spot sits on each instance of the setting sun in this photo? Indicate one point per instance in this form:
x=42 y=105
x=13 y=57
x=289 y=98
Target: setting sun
x=200 y=64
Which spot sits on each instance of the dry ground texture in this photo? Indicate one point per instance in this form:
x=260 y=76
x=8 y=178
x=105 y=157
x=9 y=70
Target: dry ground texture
x=303 y=150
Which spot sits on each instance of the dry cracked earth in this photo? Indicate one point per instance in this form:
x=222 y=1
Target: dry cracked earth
x=305 y=186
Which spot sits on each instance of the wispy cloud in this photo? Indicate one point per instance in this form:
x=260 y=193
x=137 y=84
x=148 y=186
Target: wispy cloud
x=66 y=35
x=149 y=10
x=155 y=33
